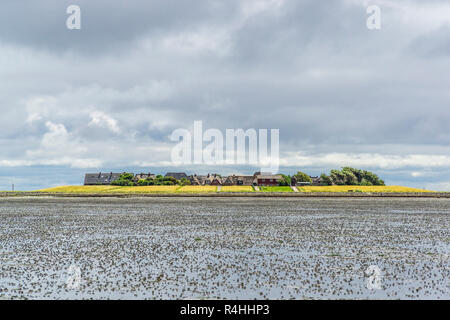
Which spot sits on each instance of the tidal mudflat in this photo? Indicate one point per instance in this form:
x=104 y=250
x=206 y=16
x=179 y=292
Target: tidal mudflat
x=224 y=248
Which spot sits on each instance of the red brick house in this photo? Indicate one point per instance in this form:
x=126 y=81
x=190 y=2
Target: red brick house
x=267 y=179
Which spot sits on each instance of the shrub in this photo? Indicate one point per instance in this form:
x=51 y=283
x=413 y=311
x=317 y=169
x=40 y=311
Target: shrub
x=125 y=179
x=142 y=182
x=184 y=182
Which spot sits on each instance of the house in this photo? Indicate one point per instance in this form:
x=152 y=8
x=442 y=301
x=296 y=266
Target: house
x=194 y=179
x=246 y=181
x=177 y=175
x=92 y=179
x=203 y=180
x=316 y=181
x=143 y=176
x=267 y=179
x=216 y=180
x=235 y=180
x=229 y=181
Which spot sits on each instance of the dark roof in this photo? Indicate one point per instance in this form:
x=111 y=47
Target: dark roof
x=246 y=180
x=316 y=179
x=269 y=176
x=176 y=175
x=100 y=178
x=144 y=176
x=259 y=173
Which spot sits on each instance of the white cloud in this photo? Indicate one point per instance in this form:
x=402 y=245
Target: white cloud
x=59 y=147
x=102 y=120
x=39 y=107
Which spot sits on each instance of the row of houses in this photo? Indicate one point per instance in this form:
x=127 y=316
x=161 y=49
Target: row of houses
x=257 y=179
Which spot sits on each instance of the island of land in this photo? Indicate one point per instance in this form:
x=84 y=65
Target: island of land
x=230 y=191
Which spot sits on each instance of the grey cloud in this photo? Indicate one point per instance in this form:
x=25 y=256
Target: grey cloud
x=106 y=25
x=311 y=69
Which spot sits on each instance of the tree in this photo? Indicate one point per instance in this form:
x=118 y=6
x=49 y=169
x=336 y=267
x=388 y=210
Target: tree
x=170 y=179
x=325 y=180
x=285 y=180
x=302 y=177
x=142 y=182
x=350 y=178
x=372 y=178
x=337 y=177
x=184 y=182
x=125 y=179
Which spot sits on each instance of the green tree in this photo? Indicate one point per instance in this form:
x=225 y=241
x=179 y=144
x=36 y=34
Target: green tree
x=302 y=177
x=285 y=180
x=350 y=178
x=356 y=172
x=372 y=178
x=364 y=182
x=325 y=180
x=337 y=177
x=184 y=182
x=142 y=182
x=125 y=179
x=170 y=179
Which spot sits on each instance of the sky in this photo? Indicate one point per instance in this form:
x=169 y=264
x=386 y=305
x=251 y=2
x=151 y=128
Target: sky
x=108 y=96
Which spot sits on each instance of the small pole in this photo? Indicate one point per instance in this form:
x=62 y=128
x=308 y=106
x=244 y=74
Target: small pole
x=13 y=187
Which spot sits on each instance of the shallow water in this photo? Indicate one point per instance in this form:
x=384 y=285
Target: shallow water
x=225 y=248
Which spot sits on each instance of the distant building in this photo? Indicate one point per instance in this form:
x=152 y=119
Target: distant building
x=246 y=181
x=229 y=181
x=267 y=179
x=143 y=176
x=92 y=179
x=215 y=180
x=176 y=175
x=194 y=179
x=316 y=181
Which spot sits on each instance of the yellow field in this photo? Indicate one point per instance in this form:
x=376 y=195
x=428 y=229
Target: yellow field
x=80 y=189
x=147 y=189
x=198 y=189
x=237 y=189
x=131 y=190
x=112 y=189
x=387 y=189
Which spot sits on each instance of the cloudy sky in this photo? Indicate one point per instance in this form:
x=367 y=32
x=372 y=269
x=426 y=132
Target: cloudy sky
x=108 y=96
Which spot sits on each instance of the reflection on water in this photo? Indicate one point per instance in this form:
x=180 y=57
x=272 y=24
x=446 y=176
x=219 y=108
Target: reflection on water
x=232 y=248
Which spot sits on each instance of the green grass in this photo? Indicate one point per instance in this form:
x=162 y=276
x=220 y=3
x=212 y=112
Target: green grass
x=276 y=189
x=372 y=189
